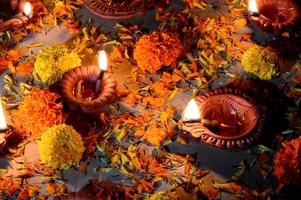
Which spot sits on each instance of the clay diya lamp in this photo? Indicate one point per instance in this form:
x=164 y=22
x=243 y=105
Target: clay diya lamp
x=5 y=131
x=5 y=134
x=225 y=118
x=273 y=15
x=12 y=20
x=88 y=88
x=118 y=9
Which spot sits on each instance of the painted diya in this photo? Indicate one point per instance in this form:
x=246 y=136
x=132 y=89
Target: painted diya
x=225 y=118
x=79 y=89
x=273 y=14
x=118 y=9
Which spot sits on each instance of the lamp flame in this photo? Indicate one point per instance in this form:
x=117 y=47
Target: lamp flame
x=191 y=112
x=27 y=9
x=102 y=60
x=3 y=125
x=252 y=6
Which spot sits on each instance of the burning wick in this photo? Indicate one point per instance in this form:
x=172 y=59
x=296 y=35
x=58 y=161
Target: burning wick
x=80 y=86
x=253 y=10
x=191 y=114
x=103 y=64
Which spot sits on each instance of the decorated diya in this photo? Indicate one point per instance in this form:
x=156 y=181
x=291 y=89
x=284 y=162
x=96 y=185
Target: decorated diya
x=274 y=14
x=88 y=88
x=9 y=17
x=225 y=118
x=118 y=9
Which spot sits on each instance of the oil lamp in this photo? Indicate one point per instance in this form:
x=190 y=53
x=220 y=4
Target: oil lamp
x=5 y=131
x=89 y=88
x=118 y=9
x=18 y=20
x=225 y=118
x=273 y=15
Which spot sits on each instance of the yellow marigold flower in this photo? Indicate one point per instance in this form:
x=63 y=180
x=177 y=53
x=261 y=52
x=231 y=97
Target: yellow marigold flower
x=53 y=61
x=61 y=147
x=157 y=49
x=261 y=62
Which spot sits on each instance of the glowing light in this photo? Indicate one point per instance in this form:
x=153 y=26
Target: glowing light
x=27 y=9
x=3 y=125
x=252 y=6
x=191 y=112
x=102 y=60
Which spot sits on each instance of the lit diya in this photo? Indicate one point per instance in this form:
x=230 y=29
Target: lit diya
x=89 y=88
x=273 y=14
x=5 y=131
x=118 y=9
x=10 y=19
x=225 y=118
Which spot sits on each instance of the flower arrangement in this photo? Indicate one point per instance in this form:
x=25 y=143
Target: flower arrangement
x=53 y=61
x=37 y=112
x=157 y=49
x=261 y=62
x=61 y=147
x=288 y=162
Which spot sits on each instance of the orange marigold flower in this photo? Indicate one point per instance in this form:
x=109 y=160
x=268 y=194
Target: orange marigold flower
x=72 y=25
x=38 y=112
x=157 y=49
x=155 y=135
x=4 y=64
x=117 y=54
x=13 y=55
x=24 y=69
x=288 y=162
x=39 y=9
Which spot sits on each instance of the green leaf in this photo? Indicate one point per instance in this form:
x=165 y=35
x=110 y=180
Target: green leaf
x=3 y=170
x=242 y=171
x=8 y=79
x=121 y=134
x=195 y=92
x=173 y=94
x=35 y=44
x=185 y=69
x=262 y=149
x=113 y=108
x=7 y=87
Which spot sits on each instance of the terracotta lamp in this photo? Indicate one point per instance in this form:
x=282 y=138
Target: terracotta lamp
x=273 y=14
x=10 y=17
x=89 y=88
x=118 y=9
x=225 y=118
x=5 y=131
